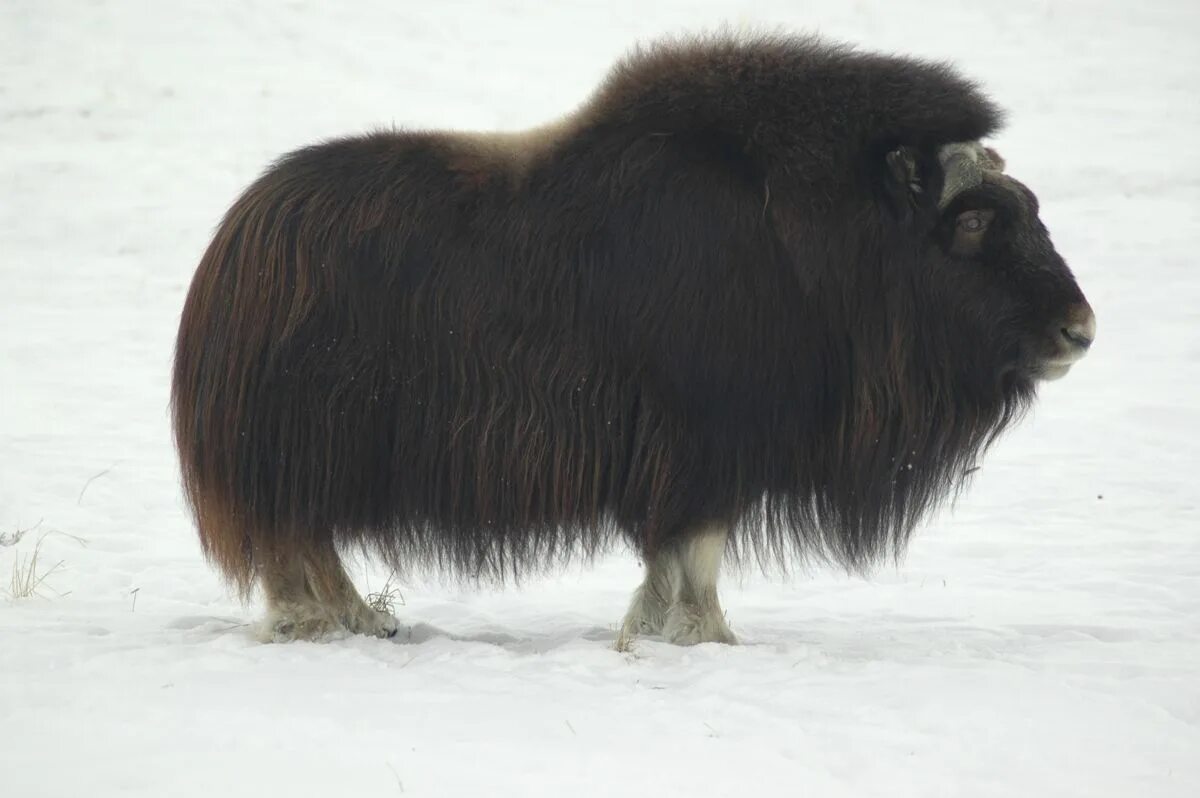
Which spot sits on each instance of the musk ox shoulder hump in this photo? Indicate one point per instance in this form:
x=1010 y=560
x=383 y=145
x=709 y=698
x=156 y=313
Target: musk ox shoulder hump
x=754 y=84
x=790 y=103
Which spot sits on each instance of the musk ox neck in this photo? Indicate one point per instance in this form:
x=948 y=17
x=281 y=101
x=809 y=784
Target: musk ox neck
x=872 y=439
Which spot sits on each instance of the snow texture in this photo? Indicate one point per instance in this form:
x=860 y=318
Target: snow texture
x=1041 y=639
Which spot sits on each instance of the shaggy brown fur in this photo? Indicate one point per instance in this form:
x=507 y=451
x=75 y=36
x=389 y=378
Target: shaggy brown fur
x=702 y=296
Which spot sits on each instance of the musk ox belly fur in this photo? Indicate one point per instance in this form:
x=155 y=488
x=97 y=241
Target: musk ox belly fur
x=701 y=302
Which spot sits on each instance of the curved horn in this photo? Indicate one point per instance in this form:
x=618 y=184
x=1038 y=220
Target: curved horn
x=963 y=164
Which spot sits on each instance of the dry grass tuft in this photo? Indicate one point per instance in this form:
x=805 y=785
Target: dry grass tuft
x=28 y=577
x=385 y=599
x=624 y=643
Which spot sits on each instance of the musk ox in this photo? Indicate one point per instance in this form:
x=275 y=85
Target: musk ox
x=758 y=298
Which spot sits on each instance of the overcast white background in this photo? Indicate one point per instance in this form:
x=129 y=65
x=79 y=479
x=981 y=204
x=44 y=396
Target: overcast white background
x=1041 y=639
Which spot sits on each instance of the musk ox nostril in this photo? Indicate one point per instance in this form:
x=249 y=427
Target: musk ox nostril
x=1080 y=329
x=1076 y=337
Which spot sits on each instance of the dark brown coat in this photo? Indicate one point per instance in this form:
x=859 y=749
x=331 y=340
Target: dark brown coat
x=702 y=296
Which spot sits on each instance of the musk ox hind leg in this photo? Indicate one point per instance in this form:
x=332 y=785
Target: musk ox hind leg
x=309 y=596
x=678 y=597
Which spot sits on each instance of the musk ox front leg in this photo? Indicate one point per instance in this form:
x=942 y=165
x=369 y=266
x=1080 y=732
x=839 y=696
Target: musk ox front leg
x=678 y=597
x=309 y=596
x=648 y=610
x=696 y=615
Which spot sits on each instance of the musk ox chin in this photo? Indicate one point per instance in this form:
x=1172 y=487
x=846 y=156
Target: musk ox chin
x=758 y=298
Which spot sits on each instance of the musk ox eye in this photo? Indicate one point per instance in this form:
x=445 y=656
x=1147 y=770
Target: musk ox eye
x=973 y=221
x=969 y=228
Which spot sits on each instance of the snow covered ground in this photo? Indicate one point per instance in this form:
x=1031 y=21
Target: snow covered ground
x=1043 y=639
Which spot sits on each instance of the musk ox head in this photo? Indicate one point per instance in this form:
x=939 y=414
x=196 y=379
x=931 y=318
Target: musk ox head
x=997 y=265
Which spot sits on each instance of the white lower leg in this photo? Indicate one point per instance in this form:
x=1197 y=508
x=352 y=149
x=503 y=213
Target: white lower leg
x=293 y=612
x=309 y=596
x=648 y=609
x=696 y=616
x=332 y=586
x=297 y=620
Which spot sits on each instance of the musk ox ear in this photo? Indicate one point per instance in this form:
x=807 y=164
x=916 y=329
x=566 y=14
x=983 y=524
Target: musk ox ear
x=903 y=170
x=911 y=186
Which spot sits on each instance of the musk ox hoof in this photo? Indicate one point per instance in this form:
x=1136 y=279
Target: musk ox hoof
x=638 y=627
x=689 y=624
x=372 y=622
x=284 y=628
x=314 y=624
x=646 y=615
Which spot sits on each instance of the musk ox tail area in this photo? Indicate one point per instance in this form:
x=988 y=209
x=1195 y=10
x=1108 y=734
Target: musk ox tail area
x=227 y=426
x=354 y=366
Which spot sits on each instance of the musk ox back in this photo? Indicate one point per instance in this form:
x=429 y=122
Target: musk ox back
x=762 y=297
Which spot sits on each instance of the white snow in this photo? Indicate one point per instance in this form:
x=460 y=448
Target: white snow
x=1043 y=639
